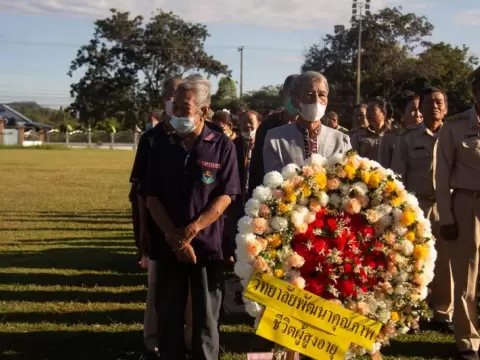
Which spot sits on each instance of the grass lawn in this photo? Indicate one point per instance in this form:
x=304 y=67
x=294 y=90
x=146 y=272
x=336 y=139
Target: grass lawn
x=69 y=287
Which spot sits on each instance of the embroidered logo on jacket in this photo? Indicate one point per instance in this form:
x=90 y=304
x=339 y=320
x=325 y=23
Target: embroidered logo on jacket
x=207 y=177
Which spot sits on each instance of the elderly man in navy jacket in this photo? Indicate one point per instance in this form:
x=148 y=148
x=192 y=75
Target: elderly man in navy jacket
x=193 y=177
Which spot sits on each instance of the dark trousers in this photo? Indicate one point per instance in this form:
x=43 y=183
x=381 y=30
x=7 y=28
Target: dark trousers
x=136 y=219
x=207 y=283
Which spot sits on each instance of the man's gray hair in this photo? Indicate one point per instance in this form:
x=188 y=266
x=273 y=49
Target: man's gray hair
x=307 y=78
x=200 y=86
x=289 y=84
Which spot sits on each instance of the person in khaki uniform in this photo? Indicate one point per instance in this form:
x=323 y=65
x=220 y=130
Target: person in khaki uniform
x=366 y=141
x=413 y=160
x=458 y=168
x=359 y=119
x=331 y=120
x=410 y=106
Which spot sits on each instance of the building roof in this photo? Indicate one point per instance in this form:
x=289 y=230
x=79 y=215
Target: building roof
x=19 y=117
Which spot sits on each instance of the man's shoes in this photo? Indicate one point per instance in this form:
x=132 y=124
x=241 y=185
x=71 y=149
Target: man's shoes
x=444 y=327
x=150 y=355
x=468 y=355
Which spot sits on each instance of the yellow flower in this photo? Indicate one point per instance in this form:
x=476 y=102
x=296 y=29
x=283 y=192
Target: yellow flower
x=365 y=175
x=390 y=187
x=349 y=171
x=321 y=180
x=374 y=180
x=292 y=199
x=408 y=217
x=394 y=316
x=284 y=208
x=273 y=254
x=396 y=201
x=306 y=190
x=279 y=273
x=288 y=190
x=275 y=241
x=420 y=252
x=410 y=236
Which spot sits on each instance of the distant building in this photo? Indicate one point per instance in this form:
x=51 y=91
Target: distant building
x=17 y=119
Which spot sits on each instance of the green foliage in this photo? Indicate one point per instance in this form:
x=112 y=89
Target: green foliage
x=395 y=58
x=128 y=60
x=264 y=99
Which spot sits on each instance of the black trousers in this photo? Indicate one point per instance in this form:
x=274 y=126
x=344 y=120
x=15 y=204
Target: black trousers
x=207 y=284
x=135 y=219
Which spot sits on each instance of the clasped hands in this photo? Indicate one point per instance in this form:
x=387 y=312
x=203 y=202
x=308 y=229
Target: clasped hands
x=179 y=240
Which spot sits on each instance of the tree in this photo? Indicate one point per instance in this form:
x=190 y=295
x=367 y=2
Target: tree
x=227 y=90
x=128 y=60
x=264 y=99
x=389 y=38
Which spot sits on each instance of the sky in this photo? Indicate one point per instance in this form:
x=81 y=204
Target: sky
x=40 y=38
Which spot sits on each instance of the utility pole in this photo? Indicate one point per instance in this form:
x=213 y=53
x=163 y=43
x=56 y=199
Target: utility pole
x=357 y=14
x=240 y=49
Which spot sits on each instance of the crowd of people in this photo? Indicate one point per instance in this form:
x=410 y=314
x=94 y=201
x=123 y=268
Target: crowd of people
x=194 y=170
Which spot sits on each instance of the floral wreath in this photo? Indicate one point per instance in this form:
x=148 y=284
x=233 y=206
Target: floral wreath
x=344 y=229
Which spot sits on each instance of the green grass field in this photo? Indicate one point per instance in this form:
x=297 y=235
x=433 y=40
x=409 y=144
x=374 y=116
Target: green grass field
x=69 y=286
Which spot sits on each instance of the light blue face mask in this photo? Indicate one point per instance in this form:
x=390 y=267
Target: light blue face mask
x=183 y=125
x=149 y=126
x=290 y=108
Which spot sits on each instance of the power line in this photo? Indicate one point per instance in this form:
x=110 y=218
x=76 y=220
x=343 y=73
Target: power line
x=225 y=47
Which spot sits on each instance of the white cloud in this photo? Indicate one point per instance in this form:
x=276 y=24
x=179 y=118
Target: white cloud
x=277 y=14
x=468 y=17
x=418 y=6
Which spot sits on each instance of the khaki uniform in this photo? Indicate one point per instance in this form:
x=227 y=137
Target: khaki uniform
x=387 y=146
x=342 y=129
x=458 y=167
x=366 y=142
x=413 y=160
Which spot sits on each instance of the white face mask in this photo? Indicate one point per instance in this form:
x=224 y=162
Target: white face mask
x=183 y=125
x=248 y=135
x=313 y=112
x=169 y=108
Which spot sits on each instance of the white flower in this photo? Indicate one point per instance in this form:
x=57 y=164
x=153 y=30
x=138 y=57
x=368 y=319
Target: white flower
x=243 y=270
x=243 y=254
x=316 y=159
x=333 y=160
x=400 y=290
x=304 y=201
x=385 y=221
x=345 y=189
x=360 y=188
x=401 y=230
x=323 y=199
x=432 y=252
x=403 y=330
x=253 y=308
x=310 y=218
x=376 y=348
x=407 y=248
x=244 y=225
x=273 y=179
x=297 y=218
x=243 y=239
x=423 y=293
x=290 y=171
x=301 y=209
x=411 y=201
x=279 y=224
x=383 y=316
x=397 y=215
x=262 y=193
x=335 y=200
x=373 y=304
x=384 y=209
x=251 y=207
x=402 y=277
x=244 y=282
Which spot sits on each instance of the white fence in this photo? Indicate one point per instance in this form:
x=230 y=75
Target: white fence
x=124 y=140
x=10 y=136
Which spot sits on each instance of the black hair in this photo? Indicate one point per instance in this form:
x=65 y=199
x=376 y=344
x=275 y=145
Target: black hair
x=407 y=97
x=359 y=106
x=432 y=90
x=223 y=117
x=380 y=102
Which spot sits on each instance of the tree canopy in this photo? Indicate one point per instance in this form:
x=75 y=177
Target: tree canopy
x=127 y=61
x=396 y=56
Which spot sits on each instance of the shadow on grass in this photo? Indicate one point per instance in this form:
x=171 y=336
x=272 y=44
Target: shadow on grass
x=420 y=349
x=107 y=317
x=73 y=221
x=77 y=258
x=74 y=280
x=75 y=296
x=65 y=345
x=80 y=243
x=242 y=342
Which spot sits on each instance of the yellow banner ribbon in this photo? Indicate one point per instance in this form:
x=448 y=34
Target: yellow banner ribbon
x=312 y=309
x=298 y=336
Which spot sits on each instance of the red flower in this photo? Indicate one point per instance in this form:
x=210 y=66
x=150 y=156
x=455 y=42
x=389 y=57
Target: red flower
x=347 y=268
x=346 y=288
x=332 y=224
x=314 y=286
